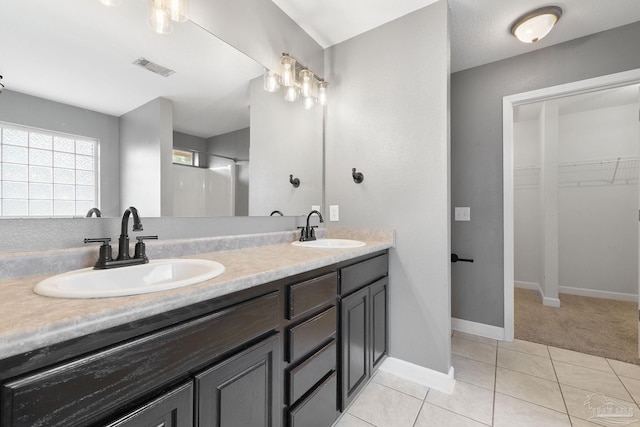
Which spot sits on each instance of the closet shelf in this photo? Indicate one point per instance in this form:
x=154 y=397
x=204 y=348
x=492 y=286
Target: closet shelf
x=621 y=170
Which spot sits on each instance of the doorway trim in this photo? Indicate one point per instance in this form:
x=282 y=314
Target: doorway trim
x=508 y=103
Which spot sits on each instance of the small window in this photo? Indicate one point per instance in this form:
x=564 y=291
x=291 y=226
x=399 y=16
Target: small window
x=182 y=157
x=43 y=173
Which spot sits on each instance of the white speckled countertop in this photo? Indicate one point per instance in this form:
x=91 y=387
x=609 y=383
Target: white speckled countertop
x=31 y=321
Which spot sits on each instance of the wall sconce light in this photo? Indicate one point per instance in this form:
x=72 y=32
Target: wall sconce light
x=297 y=81
x=534 y=25
x=163 y=13
x=271 y=81
x=358 y=177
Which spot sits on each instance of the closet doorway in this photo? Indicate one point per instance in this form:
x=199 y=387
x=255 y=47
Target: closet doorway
x=549 y=192
x=576 y=220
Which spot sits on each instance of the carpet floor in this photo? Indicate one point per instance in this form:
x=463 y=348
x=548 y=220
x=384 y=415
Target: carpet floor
x=601 y=327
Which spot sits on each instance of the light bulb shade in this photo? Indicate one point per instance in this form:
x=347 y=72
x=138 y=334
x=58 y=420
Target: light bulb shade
x=322 y=93
x=307 y=81
x=159 y=18
x=271 y=81
x=535 y=25
x=291 y=94
x=288 y=71
x=308 y=102
x=178 y=10
x=111 y=2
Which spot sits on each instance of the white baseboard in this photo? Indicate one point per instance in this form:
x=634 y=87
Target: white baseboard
x=598 y=294
x=551 y=302
x=419 y=374
x=595 y=293
x=474 y=328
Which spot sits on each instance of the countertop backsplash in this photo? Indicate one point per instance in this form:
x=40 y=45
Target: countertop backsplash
x=23 y=264
x=34 y=263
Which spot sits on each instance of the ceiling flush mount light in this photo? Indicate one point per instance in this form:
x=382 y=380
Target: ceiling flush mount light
x=163 y=13
x=297 y=81
x=536 y=24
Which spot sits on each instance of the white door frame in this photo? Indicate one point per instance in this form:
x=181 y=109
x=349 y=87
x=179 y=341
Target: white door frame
x=508 y=103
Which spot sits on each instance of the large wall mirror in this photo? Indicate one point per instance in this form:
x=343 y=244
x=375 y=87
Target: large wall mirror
x=70 y=73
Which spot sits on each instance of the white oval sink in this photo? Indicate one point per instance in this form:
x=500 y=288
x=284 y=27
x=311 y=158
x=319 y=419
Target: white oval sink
x=157 y=275
x=330 y=243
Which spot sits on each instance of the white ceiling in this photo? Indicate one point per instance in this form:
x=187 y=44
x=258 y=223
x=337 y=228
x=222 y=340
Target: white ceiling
x=480 y=29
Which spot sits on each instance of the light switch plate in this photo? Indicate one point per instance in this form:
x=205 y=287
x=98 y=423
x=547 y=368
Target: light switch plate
x=462 y=214
x=334 y=213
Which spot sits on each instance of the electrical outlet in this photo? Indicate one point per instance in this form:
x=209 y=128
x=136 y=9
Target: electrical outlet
x=462 y=214
x=334 y=213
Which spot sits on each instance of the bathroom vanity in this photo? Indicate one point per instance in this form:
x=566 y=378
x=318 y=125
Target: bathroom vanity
x=293 y=351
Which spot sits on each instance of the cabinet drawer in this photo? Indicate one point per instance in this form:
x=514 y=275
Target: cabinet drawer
x=304 y=297
x=304 y=376
x=172 y=409
x=308 y=335
x=100 y=385
x=319 y=409
x=358 y=275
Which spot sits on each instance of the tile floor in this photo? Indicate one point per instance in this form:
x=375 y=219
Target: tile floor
x=506 y=384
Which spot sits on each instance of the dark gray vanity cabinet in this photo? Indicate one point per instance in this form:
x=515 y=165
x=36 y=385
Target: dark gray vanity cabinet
x=311 y=379
x=363 y=324
x=289 y=353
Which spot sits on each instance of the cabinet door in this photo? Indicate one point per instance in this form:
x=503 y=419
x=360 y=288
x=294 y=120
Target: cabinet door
x=173 y=409
x=243 y=390
x=378 y=319
x=354 y=329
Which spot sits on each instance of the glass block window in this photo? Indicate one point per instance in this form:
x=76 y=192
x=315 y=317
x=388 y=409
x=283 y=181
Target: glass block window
x=44 y=173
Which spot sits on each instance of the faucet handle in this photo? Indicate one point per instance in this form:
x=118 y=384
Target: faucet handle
x=140 y=250
x=104 y=255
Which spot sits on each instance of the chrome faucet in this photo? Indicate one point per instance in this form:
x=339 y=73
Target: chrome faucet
x=123 y=259
x=307 y=233
x=276 y=213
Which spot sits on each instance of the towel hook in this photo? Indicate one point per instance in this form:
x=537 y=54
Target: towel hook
x=294 y=181
x=358 y=177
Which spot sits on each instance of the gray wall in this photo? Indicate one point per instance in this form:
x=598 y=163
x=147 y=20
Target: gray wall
x=286 y=140
x=233 y=144
x=476 y=153
x=32 y=111
x=388 y=117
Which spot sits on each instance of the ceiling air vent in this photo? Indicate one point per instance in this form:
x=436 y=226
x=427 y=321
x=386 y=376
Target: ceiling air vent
x=153 y=67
